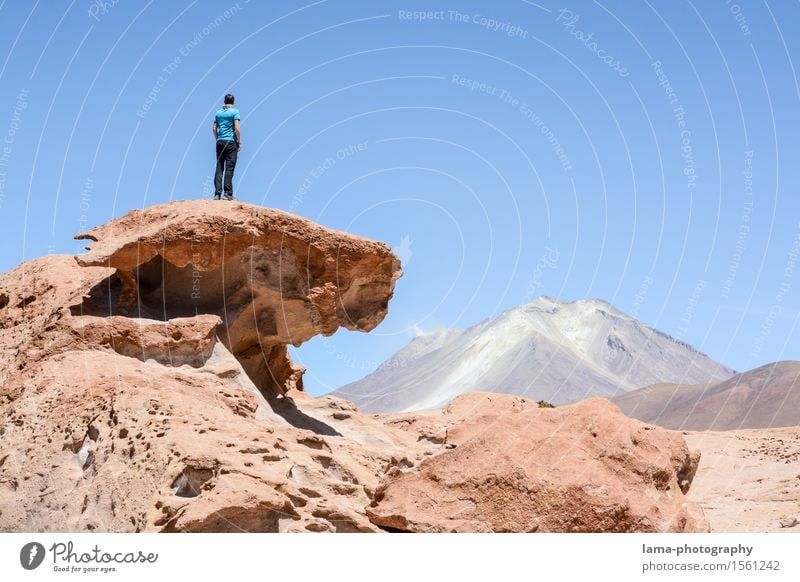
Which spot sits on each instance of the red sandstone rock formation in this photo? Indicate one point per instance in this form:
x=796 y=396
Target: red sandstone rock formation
x=145 y=386
x=273 y=278
x=514 y=467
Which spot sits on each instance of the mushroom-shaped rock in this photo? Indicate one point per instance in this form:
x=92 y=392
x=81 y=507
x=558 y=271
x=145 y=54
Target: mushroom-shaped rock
x=272 y=277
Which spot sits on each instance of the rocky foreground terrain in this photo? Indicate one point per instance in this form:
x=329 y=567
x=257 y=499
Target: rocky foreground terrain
x=749 y=480
x=146 y=386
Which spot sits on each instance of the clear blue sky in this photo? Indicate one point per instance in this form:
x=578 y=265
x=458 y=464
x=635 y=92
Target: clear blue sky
x=645 y=153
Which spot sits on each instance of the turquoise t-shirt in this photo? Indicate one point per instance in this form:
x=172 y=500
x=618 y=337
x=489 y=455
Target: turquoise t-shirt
x=224 y=118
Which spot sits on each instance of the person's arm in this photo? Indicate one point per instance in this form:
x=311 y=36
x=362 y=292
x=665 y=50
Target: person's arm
x=237 y=133
x=215 y=129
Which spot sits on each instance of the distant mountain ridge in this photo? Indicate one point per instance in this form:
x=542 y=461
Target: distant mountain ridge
x=766 y=397
x=547 y=349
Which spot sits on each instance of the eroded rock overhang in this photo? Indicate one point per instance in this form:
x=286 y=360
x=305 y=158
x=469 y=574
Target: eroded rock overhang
x=272 y=278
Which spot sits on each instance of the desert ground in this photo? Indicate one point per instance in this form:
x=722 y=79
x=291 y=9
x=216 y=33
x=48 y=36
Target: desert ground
x=748 y=480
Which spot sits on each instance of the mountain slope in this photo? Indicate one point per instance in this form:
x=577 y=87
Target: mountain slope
x=547 y=349
x=767 y=397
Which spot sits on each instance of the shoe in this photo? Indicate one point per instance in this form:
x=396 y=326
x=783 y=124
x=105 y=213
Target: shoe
x=216 y=197
x=229 y=198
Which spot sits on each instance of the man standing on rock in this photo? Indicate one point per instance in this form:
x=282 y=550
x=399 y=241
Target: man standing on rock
x=229 y=142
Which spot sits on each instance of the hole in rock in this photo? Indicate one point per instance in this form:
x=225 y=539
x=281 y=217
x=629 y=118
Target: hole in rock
x=26 y=301
x=191 y=481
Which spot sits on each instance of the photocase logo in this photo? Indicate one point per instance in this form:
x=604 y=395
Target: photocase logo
x=31 y=555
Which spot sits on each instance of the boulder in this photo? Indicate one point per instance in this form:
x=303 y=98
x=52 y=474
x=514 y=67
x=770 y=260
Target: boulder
x=515 y=467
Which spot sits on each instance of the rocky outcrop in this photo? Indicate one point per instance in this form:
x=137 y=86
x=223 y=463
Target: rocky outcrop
x=510 y=466
x=273 y=278
x=139 y=383
x=103 y=442
x=145 y=386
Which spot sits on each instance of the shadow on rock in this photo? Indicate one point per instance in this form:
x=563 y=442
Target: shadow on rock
x=286 y=408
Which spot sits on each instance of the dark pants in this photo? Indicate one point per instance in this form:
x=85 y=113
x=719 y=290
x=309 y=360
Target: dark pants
x=227 y=151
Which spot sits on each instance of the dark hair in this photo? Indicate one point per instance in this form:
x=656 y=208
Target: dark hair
x=228 y=99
